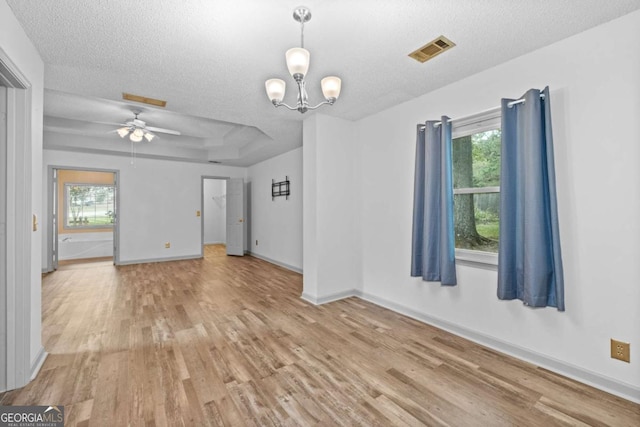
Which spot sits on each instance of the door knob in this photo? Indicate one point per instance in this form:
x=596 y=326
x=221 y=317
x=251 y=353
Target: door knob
x=241 y=220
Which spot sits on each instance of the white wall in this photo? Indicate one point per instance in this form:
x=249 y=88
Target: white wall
x=331 y=230
x=595 y=108
x=214 y=211
x=276 y=224
x=19 y=49
x=309 y=212
x=158 y=201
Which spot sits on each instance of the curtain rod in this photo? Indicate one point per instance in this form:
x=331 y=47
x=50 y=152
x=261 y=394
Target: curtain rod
x=509 y=105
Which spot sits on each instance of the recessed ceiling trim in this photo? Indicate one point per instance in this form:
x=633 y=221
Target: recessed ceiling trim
x=433 y=48
x=144 y=100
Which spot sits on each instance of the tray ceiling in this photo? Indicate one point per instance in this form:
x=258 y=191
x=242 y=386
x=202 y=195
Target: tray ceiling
x=209 y=61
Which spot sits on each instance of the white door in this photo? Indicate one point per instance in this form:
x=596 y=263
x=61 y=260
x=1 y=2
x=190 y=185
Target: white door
x=235 y=218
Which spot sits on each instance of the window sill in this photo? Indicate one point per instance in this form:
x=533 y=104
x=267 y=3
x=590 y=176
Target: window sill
x=481 y=259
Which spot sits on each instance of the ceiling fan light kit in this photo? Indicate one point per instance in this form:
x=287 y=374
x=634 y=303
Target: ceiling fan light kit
x=135 y=135
x=138 y=129
x=298 y=64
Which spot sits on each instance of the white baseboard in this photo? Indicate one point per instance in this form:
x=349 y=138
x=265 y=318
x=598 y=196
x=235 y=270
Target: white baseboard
x=149 y=260
x=594 y=379
x=329 y=298
x=37 y=363
x=273 y=261
x=215 y=243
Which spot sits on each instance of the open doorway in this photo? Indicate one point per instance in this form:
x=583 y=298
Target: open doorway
x=214 y=215
x=83 y=216
x=223 y=203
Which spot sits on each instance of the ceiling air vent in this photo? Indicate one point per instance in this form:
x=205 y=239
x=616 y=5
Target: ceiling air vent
x=144 y=100
x=431 y=49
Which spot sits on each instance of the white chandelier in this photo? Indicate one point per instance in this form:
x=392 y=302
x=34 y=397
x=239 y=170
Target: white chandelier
x=298 y=65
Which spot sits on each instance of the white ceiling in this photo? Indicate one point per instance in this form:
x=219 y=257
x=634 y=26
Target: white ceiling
x=209 y=60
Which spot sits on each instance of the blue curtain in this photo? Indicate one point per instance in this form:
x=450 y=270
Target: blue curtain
x=529 y=256
x=433 y=247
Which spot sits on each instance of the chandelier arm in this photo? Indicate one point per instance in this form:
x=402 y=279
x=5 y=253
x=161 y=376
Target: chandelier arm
x=282 y=104
x=319 y=105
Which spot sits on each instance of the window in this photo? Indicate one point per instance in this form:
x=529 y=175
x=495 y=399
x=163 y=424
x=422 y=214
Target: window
x=476 y=183
x=89 y=206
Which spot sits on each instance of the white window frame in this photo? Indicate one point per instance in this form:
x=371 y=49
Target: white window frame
x=477 y=123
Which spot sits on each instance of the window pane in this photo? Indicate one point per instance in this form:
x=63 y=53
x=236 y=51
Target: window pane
x=476 y=219
x=476 y=160
x=89 y=205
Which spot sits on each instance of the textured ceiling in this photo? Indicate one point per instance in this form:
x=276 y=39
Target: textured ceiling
x=209 y=60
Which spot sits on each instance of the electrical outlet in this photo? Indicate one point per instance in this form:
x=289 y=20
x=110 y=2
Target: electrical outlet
x=167 y=245
x=197 y=213
x=620 y=350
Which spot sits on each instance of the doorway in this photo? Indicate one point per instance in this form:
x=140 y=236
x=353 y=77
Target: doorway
x=222 y=214
x=83 y=216
x=214 y=211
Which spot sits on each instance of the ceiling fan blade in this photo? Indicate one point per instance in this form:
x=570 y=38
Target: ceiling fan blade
x=168 y=131
x=111 y=123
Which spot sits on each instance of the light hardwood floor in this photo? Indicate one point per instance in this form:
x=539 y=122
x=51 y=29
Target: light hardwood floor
x=228 y=341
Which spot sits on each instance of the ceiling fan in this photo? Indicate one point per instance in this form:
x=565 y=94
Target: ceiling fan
x=138 y=129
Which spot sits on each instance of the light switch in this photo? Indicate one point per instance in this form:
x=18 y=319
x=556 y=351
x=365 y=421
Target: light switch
x=197 y=213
